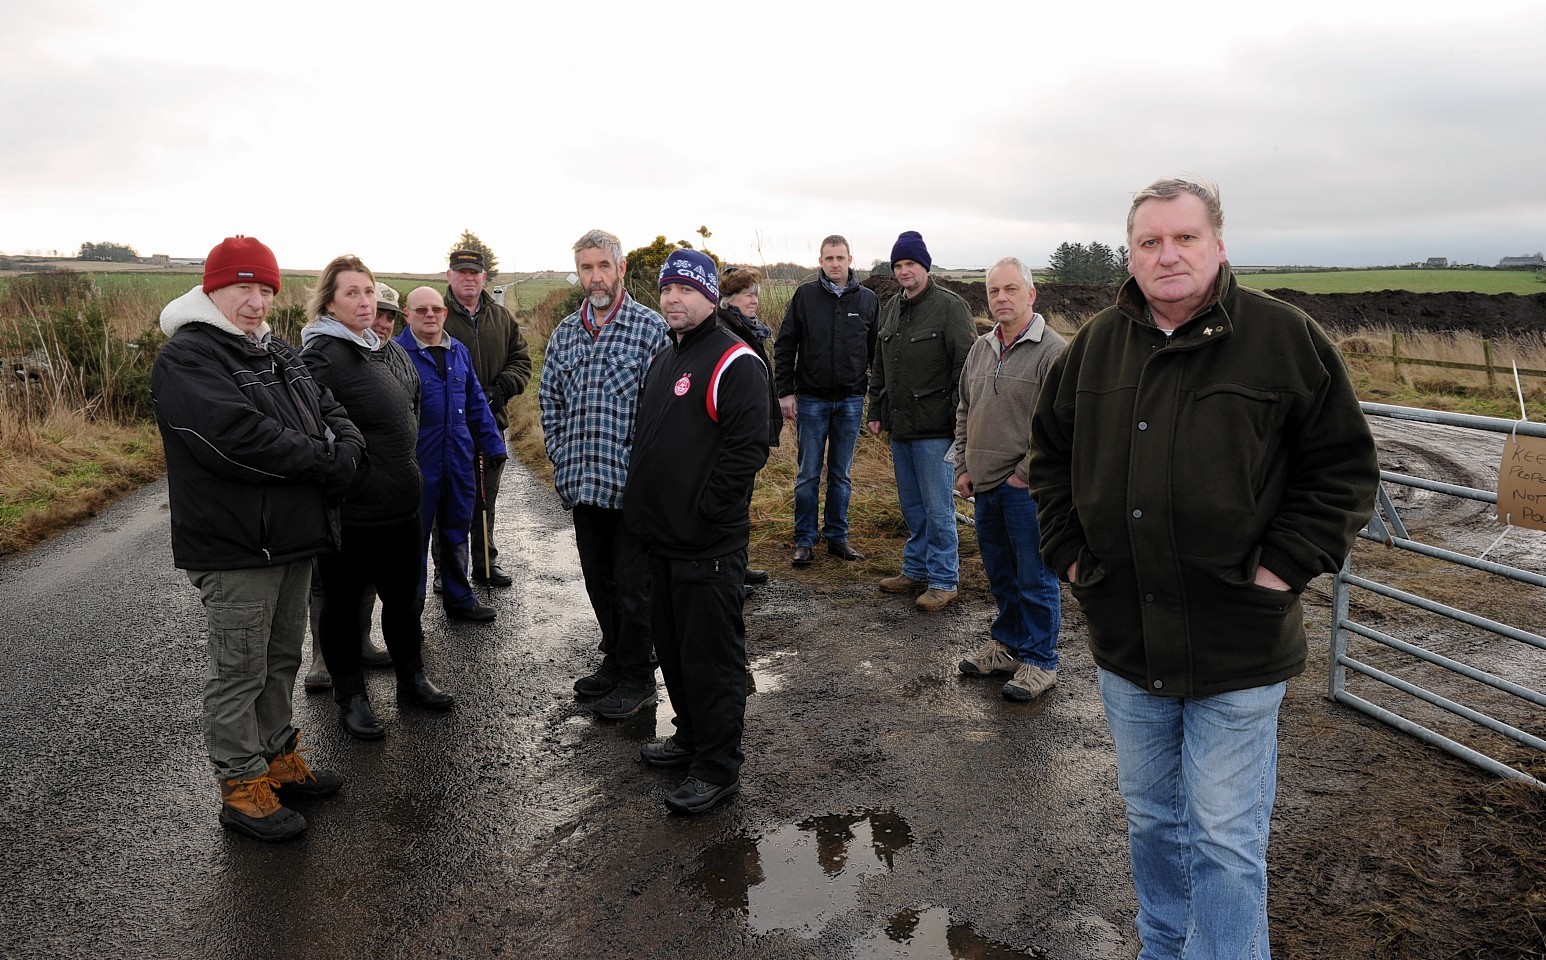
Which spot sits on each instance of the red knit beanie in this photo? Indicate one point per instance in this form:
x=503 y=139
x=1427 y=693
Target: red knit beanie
x=240 y=259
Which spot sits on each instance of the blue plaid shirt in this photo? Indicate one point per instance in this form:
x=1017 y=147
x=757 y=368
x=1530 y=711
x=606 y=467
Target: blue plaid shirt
x=589 y=396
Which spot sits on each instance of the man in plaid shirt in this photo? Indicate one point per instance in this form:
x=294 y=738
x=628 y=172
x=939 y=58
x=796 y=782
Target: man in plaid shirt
x=589 y=395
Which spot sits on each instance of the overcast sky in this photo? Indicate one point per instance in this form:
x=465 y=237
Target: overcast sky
x=1346 y=133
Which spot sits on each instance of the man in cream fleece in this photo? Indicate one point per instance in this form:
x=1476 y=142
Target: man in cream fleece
x=999 y=383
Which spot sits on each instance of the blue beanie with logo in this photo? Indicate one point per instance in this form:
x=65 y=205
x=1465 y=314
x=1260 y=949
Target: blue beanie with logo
x=695 y=269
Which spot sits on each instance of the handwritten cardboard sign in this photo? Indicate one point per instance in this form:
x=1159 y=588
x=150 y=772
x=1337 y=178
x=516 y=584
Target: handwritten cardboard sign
x=1522 y=482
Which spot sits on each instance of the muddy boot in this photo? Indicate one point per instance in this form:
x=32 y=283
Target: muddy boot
x=370 y=654
x=295 y=779
x=250 y=807
x=318 y=679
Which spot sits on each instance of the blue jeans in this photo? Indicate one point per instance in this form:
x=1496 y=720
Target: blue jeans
x=826 y=429
x=1029 y=604
x=925 y=485
x=1199 y=775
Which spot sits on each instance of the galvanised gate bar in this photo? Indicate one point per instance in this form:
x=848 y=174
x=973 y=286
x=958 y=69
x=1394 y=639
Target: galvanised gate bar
x=1471 y=691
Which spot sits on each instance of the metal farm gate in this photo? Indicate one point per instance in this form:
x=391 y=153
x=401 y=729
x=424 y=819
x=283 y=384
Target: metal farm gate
x=1487 y=673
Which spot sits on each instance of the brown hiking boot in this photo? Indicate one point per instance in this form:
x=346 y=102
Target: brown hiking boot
x=1029 y=682
x=901 y=583
x=993 y=658
x=250 y=807
x=293 y=777
x=933 y=601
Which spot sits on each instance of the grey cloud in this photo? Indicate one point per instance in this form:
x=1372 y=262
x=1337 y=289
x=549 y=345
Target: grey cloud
x=1326 y=145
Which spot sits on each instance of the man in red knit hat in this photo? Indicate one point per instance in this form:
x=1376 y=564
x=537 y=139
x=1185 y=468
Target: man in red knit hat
x=258 y=456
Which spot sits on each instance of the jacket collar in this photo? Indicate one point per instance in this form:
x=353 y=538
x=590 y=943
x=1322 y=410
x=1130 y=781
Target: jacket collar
x=196 y=307
x=685 y=340
x=326 y=326
x=1033 y=332
x=928 y=291
x=1131 y=301
x=832 y=288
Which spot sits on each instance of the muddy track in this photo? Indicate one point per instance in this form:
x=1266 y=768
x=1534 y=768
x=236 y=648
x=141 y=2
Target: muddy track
x=891 y=809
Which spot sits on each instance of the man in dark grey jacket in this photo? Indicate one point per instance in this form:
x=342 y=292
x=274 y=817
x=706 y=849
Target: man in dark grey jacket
x=821 y=372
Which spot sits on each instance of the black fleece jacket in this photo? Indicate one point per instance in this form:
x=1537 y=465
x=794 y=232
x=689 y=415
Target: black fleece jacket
x=701 y=437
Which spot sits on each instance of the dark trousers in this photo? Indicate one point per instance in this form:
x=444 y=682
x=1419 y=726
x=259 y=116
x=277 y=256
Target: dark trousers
x=444 y=518
x=617 y=578
x=699 y=635
x=388 y=557
x=483 y=516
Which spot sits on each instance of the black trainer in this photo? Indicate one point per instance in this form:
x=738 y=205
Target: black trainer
x=626 y=700
x=600 y=683
x=700 y=796
x=665 y=754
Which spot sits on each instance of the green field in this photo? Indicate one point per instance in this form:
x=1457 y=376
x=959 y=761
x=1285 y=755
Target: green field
x=1417 y=281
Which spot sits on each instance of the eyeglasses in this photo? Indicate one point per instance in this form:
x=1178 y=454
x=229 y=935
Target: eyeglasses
x=429 y=311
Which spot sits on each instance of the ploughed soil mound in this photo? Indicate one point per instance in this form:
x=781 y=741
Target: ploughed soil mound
x=1480 y=314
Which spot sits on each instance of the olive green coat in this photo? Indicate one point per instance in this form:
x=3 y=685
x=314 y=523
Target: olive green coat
x=920 y=346
x=1171 y=468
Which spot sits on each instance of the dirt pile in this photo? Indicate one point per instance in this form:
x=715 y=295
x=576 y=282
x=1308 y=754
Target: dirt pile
x=1481 y=314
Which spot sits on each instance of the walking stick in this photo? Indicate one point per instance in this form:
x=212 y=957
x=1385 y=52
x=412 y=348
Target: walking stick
x=488 y=574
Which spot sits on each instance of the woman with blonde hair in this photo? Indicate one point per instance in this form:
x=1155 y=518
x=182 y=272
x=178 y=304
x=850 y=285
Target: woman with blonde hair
x=375 y=381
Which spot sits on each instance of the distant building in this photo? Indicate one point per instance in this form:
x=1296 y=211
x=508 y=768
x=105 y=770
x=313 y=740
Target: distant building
x=1532 y=261
x=1437 y=263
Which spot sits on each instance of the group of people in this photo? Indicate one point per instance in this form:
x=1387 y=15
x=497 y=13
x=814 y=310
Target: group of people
x=1187 y=463
x=319 y=479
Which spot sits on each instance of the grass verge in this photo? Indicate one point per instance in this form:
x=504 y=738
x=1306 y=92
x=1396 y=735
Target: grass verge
x=67 y=468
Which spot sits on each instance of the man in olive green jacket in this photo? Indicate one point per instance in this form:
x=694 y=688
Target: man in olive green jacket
x=502 y=362
x=1198 y=456
x=921 y=342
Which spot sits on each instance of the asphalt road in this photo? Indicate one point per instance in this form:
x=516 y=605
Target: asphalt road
x=890 y=809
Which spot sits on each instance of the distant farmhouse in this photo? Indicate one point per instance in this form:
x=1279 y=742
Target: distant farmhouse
x=1437 y=263
x=1533 y=262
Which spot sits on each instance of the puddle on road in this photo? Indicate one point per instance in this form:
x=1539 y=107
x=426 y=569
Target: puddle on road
x=928 y=934
x=801 y=875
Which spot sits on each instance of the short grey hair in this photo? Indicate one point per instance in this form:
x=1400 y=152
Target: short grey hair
x=1018 y=264
x=600 y=240
x=1171 y=187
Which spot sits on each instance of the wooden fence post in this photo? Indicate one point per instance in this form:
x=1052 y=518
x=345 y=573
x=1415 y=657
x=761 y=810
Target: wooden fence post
x=1395 y=355
x=1492 y=377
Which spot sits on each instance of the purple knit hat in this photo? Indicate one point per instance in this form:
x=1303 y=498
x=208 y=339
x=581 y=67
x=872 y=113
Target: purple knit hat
x=909 y=246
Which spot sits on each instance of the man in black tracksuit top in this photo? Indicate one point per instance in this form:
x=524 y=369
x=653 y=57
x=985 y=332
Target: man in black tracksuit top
x=701 y=437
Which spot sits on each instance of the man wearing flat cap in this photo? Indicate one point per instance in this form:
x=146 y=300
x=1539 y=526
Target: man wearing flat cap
x=502 y=363
x=250 y=438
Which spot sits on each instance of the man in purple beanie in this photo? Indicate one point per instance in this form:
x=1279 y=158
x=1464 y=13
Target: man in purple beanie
x=250 y=437
x=921 y=342
x=701 y=437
